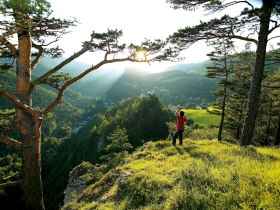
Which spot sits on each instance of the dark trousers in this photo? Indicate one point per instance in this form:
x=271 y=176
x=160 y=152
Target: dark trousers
x=176 y=134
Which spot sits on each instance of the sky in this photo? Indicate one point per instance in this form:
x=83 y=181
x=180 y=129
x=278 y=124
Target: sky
x=138 y=19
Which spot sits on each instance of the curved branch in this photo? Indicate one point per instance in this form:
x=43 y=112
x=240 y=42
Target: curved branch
x=214 y=36
x=57 y=38
x=273 y=38
x=273 y=28
x=44 y=77
x=10 y=33
x=80 y=76
x=8 y=44
x=218 y=8
x=69 y=82
x=39 y=56
x=16 y=102
x=10 y=142
x=244 y=38
x=237 y=2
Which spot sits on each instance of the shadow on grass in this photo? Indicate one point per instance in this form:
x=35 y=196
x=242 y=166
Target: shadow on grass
x=251 y=153
x=194 y=153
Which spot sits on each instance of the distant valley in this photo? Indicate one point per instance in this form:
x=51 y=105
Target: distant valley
x=176 y=84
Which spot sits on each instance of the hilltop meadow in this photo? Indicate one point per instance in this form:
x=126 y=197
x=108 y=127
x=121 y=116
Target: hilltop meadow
x=201 y=174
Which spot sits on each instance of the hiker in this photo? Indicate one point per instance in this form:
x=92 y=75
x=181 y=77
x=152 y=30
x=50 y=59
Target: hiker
x=181 y=121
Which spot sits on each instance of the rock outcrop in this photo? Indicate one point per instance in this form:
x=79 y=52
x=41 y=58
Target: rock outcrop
x=77 y=181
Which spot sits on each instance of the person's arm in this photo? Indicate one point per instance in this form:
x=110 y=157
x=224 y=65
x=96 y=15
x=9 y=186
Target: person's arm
x=185 y=123
x=177 y=112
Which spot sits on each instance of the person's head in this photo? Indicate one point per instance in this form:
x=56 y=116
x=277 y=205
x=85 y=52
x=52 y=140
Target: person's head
x=182 y=113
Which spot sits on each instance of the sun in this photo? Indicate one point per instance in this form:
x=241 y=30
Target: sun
x=140 y=55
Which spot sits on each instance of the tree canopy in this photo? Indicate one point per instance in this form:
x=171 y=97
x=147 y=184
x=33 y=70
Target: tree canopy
x=252 y=22
x=27 y=33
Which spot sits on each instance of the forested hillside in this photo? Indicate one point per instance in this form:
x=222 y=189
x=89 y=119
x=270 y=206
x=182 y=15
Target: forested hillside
x=172 y=87
x=69 y=111
x=144 y=119
x=177 y=84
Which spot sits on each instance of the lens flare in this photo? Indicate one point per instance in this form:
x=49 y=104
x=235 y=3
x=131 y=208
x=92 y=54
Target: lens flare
x=141 y=56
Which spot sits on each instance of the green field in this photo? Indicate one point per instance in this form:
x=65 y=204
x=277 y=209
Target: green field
x=202 y=117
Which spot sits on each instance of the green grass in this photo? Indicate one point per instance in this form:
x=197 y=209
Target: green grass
x=203 y=118
x=200 y=174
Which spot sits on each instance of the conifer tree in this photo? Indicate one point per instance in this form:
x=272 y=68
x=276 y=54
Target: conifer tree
x=221 y=69
x=271 y=89
x=117 y=147
x=243 y=65
x=262 y=21
x=27 y=33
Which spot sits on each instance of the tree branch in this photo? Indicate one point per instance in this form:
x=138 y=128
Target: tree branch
x=44 y=77
x=8 y=44
x=10 y=184
x=39 y=56
x=237 y=2
x=272 y=87
x=9 y=177
x=16 y=102
x=225 y=27
x=57 y=38
x=69 y=82
x=243 y=38
x=10 y=33
x=208 y=4
x=273 y=38
x=10 y=142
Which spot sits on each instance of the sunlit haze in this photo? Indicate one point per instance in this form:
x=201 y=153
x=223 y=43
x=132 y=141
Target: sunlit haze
x=138 y=19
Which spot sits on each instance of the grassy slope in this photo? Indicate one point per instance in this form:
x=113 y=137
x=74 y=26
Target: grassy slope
x=203 y=118
x=199 y=175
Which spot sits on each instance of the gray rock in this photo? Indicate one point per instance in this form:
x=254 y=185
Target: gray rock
x=76 y=185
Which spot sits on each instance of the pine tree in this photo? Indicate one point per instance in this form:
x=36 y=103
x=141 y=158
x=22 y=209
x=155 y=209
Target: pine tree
x=243 y=65
x=117 y=148
x=271 y=95
x=27 y=32
x=221 y=69
x=254 y=21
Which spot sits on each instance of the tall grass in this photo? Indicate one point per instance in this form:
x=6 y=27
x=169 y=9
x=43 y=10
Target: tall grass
x=200 y=174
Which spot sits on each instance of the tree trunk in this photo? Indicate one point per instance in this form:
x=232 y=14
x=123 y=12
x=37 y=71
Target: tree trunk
x=237 y=135
x=31 y=163
x=222 y=116
x=29 y=129
x=255 y=89
x=277 y=136
x=239 y=124
x=225 y=95
x=266 y=136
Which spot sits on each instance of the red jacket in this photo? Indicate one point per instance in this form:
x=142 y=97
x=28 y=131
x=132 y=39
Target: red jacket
x=181 y=121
